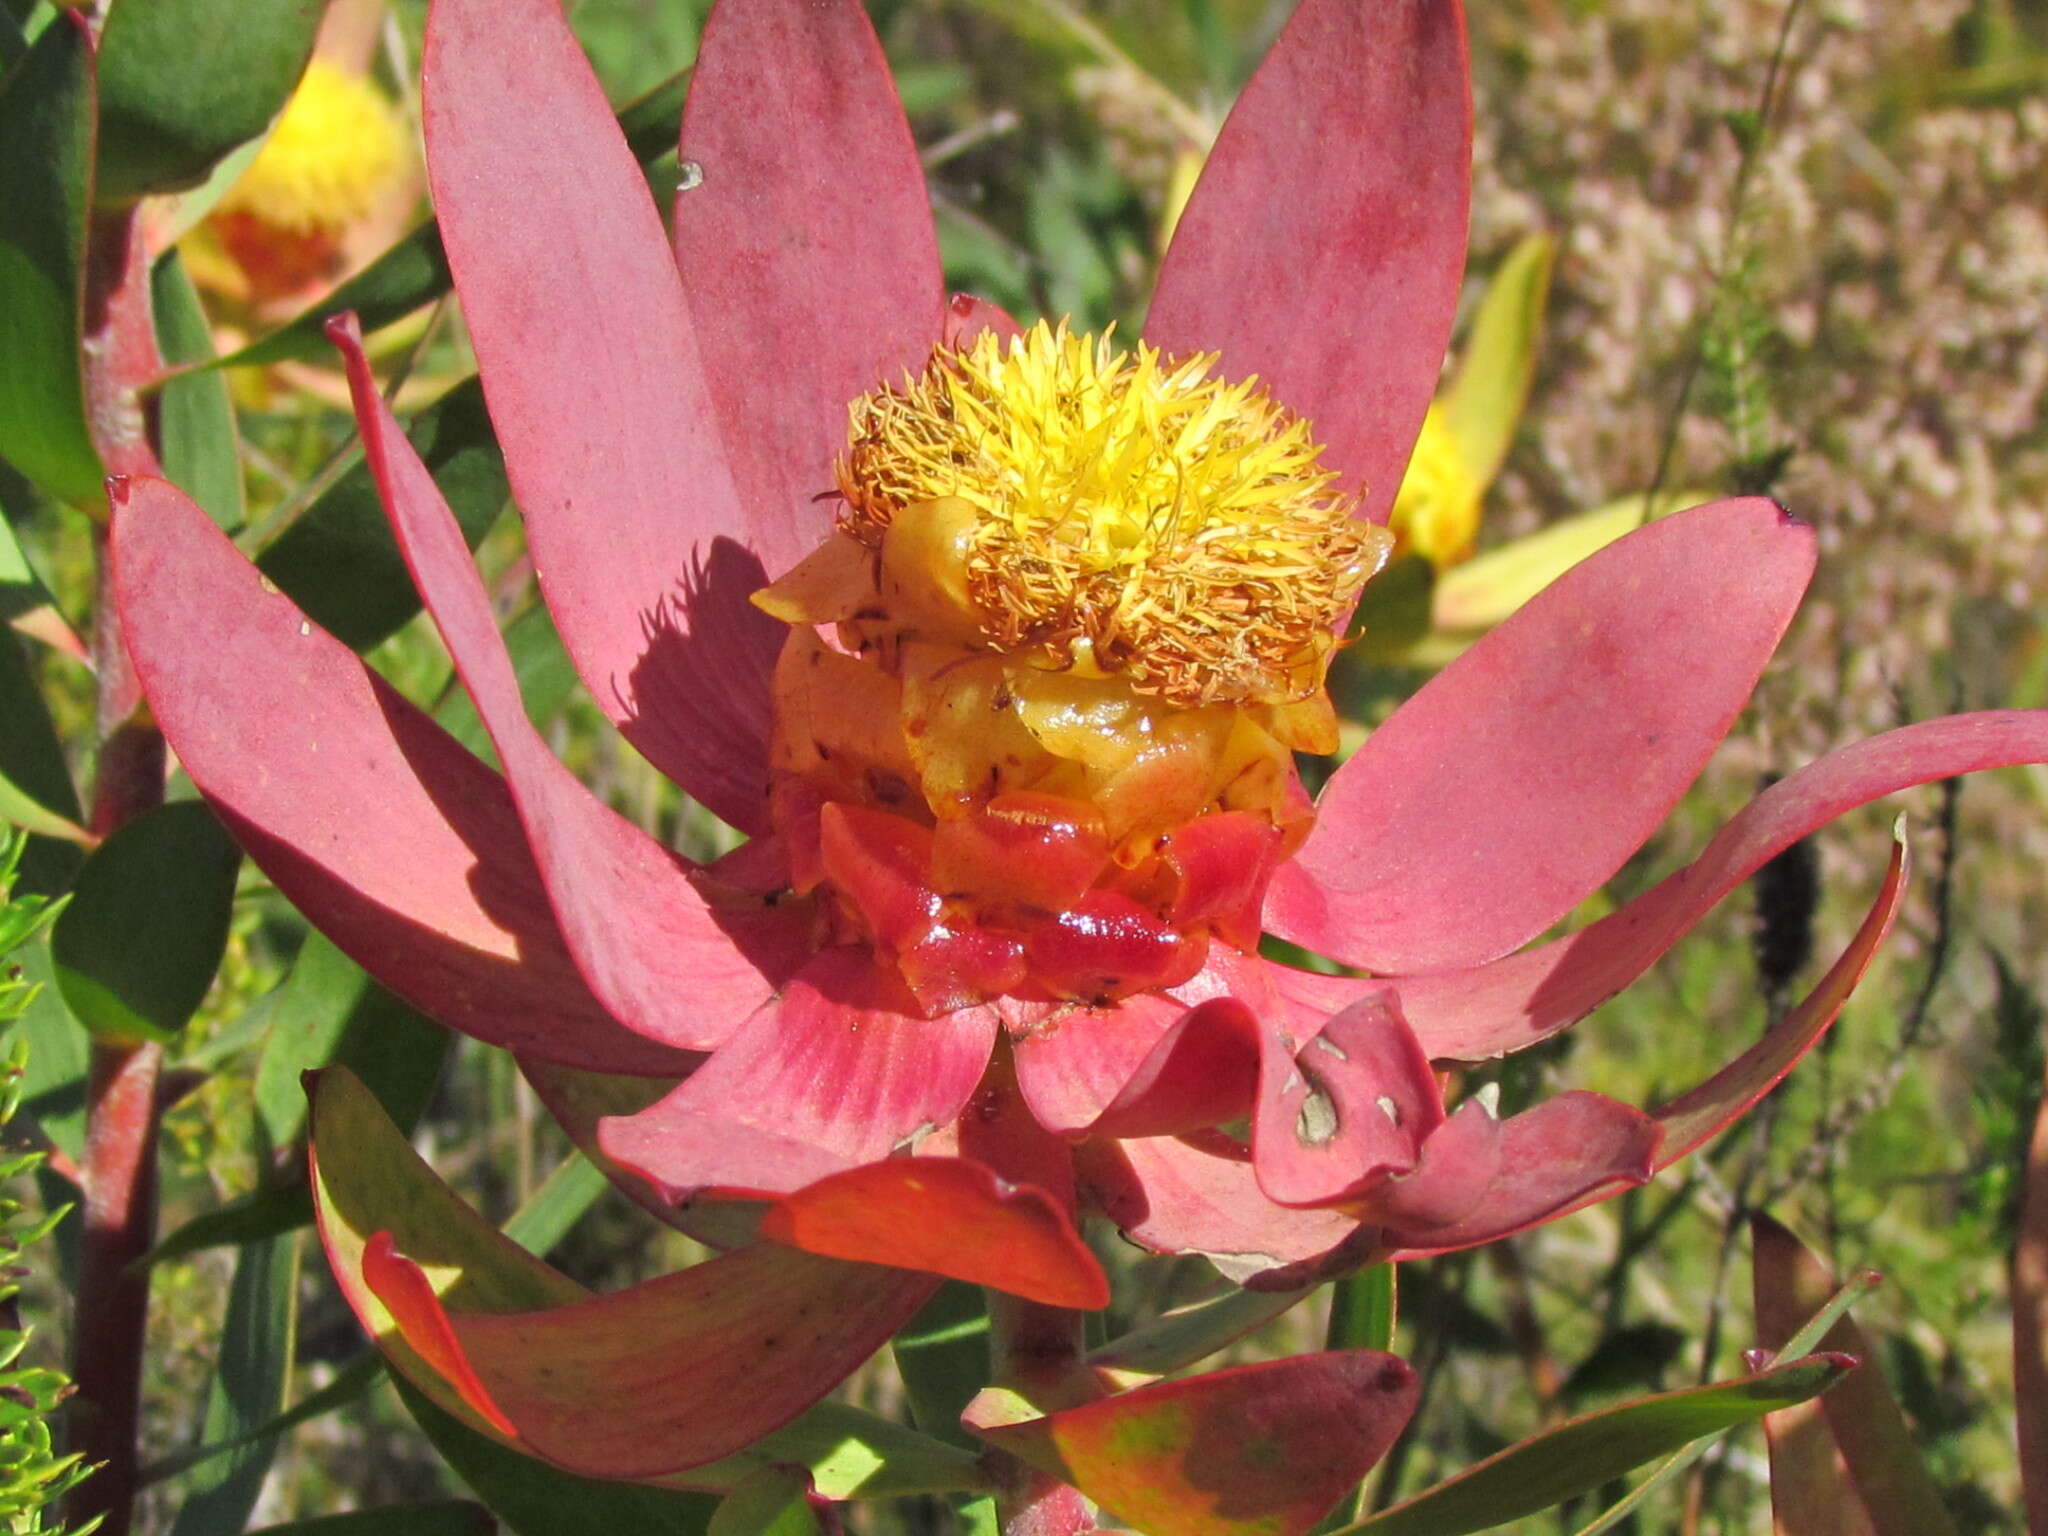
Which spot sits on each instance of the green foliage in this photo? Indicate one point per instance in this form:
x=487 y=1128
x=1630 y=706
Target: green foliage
x=48 y=105
x=32 y=1474
x=184 y=82
x=140 y=942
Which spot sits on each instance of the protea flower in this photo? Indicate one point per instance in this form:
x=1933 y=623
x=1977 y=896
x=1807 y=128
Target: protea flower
x=997 y=645
x=334 y=181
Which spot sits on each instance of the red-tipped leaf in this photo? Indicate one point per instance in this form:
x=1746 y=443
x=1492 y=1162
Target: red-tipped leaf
x=947 y=1216
x=804 y=237
x=1523 y=775
x=392 y=838
x=645 y=551
x=1323 y=246
x=1255 y=1450
x=661 y=957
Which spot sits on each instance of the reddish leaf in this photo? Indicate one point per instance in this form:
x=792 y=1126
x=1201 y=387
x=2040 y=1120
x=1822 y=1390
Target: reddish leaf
x=967 y=317
x=709 y=1359
x=1887 y=1483
x=1564 y=1153
x=645 y=551
x=1072 y=1066
x=1256 y=1450
x=1323 y=246
x=1522 y=776
x=663 y=960
x=1035 y=849
x=1517 y=1002
x=1204 y=1071
x=1224 y=861
x=1176 y=1198
x=1344 y=1109
x=1531 y=1189
x=805 y=242
x=1106 y=945
x=841 y=1071
x=947 y=1216
x=394 y=840
x=1697 y=1117
x=1457 y=1171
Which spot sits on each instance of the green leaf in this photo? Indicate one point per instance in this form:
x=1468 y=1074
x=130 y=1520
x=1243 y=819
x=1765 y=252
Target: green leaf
x=1580 y=1455
x=148 y=923
x=35 y=785
x=446 y=1517
x=1484 y=402
x=1393 y=611
x=350 y=1383
x=13 y=40
x=339 y=561
x=1799 y=1344
x=770 y=1502
x=248 y=1388
x=414 y=272
x=195 y=416
x=47 y=108
x=1362 y=1309
x=1192 y=1333
x=535 y=1499
x=330 y=1012
x=21 y=589
x=25 y=601
x=409 y=276
x=564 y=1195
x=182 y=82
x=942 y=1355
x=260 y=1214
x=53 y=1089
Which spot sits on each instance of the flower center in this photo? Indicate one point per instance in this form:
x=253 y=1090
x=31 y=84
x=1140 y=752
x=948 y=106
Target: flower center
x=335 y=150
x=1120 y=513
x=336 y=147
x=1083 y=602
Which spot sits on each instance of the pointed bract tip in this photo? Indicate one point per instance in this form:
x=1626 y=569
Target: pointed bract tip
x=344 y=330
x=117 y=491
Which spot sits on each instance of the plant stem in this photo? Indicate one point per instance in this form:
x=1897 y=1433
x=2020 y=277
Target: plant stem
x=111 y=1315
x=1038 y=1351
x=113 y=1299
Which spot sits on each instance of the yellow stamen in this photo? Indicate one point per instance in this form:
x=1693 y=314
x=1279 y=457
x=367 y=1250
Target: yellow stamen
x=336 y=147
x=1123 y=513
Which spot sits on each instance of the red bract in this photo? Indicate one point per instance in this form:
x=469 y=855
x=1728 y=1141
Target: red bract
x=917 y=1092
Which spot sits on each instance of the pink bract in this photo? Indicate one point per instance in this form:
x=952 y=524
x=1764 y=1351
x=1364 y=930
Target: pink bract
x=669 y=414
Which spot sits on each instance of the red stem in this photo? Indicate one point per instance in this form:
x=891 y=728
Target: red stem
x=111 y=1316
x=1035 y=1350
x=113 y=1299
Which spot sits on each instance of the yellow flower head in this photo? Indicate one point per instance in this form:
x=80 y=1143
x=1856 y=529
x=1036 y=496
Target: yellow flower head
x=1436 y=511
x=335 y=149
x=1122 y=512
